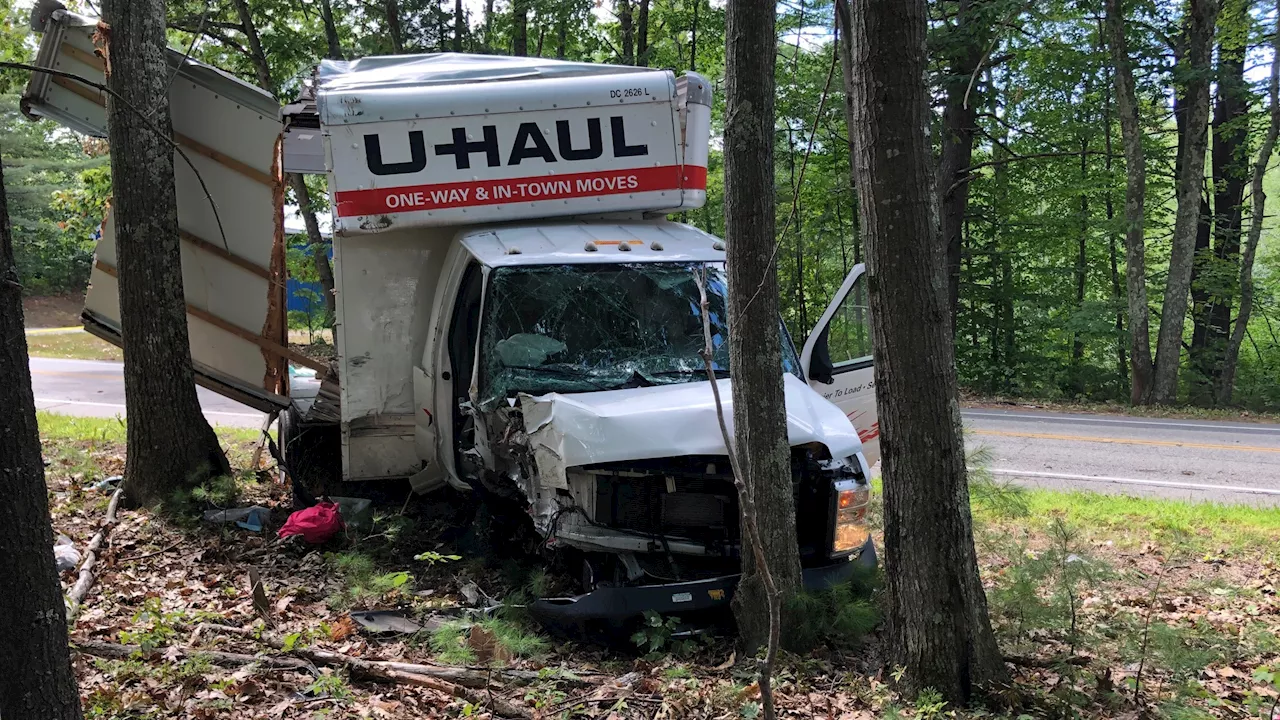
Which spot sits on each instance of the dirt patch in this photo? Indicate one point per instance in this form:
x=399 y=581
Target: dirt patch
x=53 y=311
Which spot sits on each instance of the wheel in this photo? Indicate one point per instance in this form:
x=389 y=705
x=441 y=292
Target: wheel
x=311 y=455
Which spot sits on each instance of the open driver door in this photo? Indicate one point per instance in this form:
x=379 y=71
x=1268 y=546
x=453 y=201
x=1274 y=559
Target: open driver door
x=838 y=364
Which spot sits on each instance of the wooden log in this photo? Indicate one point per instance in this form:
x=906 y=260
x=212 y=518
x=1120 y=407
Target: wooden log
x=75 y=599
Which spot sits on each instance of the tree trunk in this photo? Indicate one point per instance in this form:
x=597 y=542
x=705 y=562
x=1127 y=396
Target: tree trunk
x=938 y=629
x=1202 y=16
x=1122 y=363
x=1218 y=272
x=1134 y=199
x=391 y=13
x=958 y=128
x=642 y=34
x=520 y=28
x=330 y=30
x=459 y=25
x=488 y=25
x=693 y=38
x=256 y=54
x=562 y=34
x=1231 y=355
x=38 y=681
x=170 y=444
x=1082 y=267
x=626 y=31
x=755 y=345
x=844 y=44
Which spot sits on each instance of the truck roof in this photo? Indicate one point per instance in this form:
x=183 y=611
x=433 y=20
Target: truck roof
x=575 y=243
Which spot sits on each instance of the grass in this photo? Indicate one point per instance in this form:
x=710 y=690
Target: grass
x=1133 y=521
x=77 y=345
x=1180 y=412
x=56 y=428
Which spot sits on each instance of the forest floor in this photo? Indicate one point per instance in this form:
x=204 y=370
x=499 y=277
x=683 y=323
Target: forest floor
x=53 y=311
x=1110 y=607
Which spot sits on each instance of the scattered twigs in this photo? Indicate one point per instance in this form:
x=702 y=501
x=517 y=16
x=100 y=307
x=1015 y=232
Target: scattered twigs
x=750 y=530
x=98 y=648
x=461 y=676
x=76 y=597
x=375 y=670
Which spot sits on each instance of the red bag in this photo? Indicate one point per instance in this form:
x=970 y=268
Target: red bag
x=315 y=524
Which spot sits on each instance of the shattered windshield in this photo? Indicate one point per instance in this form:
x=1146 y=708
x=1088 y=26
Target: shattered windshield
x=579 y=328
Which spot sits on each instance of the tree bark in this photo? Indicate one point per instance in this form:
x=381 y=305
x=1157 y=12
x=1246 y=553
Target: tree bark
x=844 y=44
x=959 y=123
x=1231 y=355
x=34 y=662
x=938 y=628
x=488 y=25
x=755 y=345
x=1122 y=363
x=459 y=25
x=1216 y=273
x=693 y=38
x=169 y=443
x=642 y=34
x=1201 y=18
x=626 y=30
x=1134 y=201
x=395 y=33
x=520 y=27
x=330 y=30
x=1082 y=267
x=256 y=54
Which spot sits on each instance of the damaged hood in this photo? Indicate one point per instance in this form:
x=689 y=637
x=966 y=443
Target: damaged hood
x=664 y=421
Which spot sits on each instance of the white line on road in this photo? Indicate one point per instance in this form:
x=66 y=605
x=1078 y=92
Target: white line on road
x=55 y=401
x=1108 y=421
x=1136 y=481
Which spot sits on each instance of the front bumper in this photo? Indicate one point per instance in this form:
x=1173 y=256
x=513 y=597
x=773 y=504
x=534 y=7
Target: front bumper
x=614 y=605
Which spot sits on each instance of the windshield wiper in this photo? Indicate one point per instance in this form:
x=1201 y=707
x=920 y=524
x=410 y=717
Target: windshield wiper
x=575 y=375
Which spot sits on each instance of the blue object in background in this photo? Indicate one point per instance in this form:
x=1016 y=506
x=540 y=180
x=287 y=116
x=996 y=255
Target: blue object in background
x=298 y=299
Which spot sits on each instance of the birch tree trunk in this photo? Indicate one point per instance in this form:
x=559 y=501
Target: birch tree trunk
x=34 y=662
x=938 y=628
x=1231 y=357
x=1202 y=16
x=170 y=444
x=1135 y=195
x=755 y=345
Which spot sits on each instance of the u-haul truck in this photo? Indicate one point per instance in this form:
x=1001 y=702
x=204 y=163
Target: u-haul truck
x=516 y=316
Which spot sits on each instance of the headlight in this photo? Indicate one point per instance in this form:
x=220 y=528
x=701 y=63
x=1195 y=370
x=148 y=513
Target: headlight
x=850 y=500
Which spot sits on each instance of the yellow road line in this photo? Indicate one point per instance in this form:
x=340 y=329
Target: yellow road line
x=1127 y=441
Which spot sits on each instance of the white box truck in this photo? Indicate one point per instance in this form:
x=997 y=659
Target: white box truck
x=516 y=316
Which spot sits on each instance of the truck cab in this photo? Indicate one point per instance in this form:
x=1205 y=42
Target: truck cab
x=517 y=317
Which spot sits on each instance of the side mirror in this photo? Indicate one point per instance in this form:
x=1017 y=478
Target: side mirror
x=820 y=366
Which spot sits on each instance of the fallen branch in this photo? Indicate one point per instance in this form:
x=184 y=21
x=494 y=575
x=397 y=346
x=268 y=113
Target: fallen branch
x=78 y=591
x=460 y=676
x=217 y=657
x=478 y=698
x=366 y=668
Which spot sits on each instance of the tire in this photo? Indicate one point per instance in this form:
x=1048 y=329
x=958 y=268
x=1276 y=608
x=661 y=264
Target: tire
x=311 y=455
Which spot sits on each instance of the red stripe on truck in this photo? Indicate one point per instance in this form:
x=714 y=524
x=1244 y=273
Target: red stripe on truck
x=444 y=196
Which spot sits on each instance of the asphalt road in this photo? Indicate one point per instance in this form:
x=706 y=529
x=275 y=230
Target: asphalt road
x=1190 y=459
x=1193 y=459
x=96 y=388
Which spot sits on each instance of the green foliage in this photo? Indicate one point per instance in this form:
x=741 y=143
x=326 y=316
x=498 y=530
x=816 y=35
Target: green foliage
x=153 y=626
x=433 y=558
x=838 y=617
x=363 y=584
x=331 y=684
x=450 y=642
